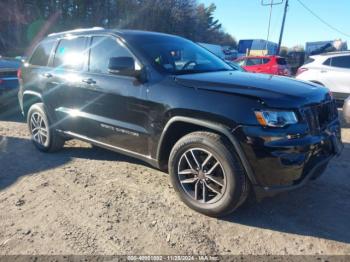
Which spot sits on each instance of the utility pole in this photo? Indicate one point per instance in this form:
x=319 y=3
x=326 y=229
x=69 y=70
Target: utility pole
x=282 y=28
x=270 y=3
x=269 y=26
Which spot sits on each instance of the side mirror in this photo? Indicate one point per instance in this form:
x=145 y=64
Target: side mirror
x=122 y=66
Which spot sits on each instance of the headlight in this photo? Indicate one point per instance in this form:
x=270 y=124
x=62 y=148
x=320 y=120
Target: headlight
x=276 y=118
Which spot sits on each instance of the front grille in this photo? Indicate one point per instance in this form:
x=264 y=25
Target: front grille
x=319 y=116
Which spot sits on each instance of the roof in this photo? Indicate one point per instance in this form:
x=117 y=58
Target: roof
x=336 y=53
x=78 y=30
x=329 y=54
x=259 y=56
x=95 y=30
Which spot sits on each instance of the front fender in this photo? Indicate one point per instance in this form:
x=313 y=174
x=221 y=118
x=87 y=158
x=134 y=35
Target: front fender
x=27 y=99
x=216 y=127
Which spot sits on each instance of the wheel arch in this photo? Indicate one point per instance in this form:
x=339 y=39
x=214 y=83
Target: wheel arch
x=30 y=98
x=179 y=126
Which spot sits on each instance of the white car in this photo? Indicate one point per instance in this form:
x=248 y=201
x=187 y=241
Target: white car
x=331 y=70
x=346 y=110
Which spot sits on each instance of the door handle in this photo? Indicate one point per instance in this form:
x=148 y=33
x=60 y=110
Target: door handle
x=89 y=81
x=324 y=71
x=47 y=75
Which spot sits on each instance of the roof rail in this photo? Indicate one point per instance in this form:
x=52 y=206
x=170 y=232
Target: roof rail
x=77 y=30
x=336 y=53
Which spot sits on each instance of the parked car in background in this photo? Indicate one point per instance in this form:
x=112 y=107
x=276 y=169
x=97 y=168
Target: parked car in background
x=274 y=65
x=346 y=110
x=331 y=70
x=8 y=80
x=215 y=49
x=224 y=52
x=230 y=54
x=220 y=133
x=236 y=66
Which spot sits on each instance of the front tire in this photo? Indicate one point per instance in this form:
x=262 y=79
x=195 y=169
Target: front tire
x=43 y=135
x=207 y=174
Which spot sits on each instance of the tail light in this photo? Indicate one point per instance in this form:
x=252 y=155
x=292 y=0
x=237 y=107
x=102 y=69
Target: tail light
x=19 y=73
x=1 y=81
x=301 y=70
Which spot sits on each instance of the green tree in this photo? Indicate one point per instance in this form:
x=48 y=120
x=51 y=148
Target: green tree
x=25 y=21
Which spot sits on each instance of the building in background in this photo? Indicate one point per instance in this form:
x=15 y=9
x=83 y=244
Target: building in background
x=256 y=47
x=319 y=47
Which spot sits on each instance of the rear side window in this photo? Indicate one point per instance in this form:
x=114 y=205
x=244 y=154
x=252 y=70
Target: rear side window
x=328 y=62
x=281 y=61
x=102 y=49
x=341 y=61
x=41 y=54
x=266 y=60
x=70 y=54
x=254 y=61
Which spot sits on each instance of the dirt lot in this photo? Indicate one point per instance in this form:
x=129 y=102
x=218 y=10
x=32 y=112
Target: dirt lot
x=90 y=201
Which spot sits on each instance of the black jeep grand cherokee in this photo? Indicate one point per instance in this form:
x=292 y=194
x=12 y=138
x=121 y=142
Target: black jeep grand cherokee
x=220 y=133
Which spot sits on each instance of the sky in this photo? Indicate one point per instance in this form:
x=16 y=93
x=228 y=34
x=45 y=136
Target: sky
x=248 y=19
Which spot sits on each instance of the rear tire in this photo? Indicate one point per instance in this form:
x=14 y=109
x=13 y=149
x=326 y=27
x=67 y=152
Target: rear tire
x=207 y=174
x=43 y=134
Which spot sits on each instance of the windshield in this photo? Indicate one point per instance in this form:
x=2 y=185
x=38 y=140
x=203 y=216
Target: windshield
x=236 y=66
x=175 y=55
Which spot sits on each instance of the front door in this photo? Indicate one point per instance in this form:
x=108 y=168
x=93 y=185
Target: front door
x=111 y=108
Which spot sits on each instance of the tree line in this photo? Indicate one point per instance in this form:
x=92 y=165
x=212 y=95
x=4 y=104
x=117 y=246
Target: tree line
x=24 y=22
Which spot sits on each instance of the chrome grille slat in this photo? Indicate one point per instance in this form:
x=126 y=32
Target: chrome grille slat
x=319 y=116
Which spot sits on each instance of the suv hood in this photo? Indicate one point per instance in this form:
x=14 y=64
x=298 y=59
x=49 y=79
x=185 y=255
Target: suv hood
x=275 y=91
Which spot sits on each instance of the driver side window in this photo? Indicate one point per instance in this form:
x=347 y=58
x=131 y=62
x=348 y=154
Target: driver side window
x=102 y=49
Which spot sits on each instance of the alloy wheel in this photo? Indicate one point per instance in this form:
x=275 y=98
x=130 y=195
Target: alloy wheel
x=39 y=129
x=201 y=175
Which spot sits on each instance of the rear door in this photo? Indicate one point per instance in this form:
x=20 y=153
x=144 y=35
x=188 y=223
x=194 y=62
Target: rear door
x=65 y=80
x=37 y=71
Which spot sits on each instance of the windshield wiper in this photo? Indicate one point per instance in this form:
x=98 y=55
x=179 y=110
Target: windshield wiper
x=185 y=72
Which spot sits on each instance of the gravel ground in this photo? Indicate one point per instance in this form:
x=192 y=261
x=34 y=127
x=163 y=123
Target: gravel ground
x=84 y=200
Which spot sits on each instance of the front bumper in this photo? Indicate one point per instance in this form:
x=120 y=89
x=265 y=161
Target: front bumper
x=282 y=162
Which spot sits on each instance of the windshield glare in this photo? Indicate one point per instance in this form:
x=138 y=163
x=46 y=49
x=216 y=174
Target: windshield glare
x=179 y=56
